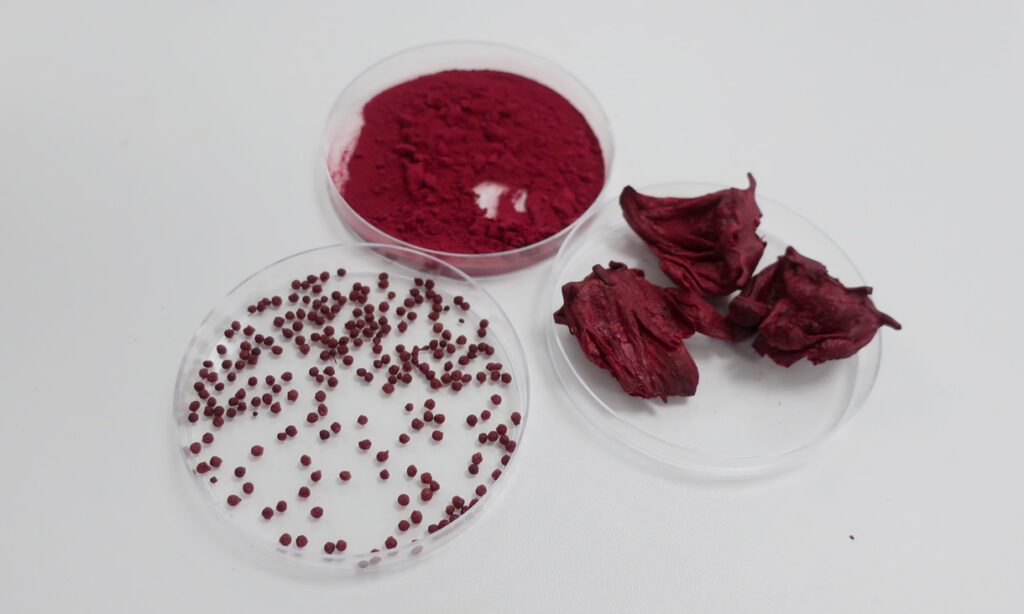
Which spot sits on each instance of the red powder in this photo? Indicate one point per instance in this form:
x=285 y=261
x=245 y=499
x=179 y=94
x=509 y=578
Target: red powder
x=428 y=144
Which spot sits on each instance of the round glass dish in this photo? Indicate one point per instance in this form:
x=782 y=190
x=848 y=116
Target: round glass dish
x=345 y=121
x=327 y=419
x=749 y=415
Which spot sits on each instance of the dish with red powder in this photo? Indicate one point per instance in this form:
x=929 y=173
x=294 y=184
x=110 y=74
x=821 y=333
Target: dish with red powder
x=482 y=155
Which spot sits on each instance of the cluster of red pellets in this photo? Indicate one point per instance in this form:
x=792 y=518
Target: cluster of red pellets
x=302 y=325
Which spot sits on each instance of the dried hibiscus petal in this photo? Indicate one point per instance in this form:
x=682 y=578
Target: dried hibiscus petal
x=799 y=310
x=635 y=330
x=708 y=244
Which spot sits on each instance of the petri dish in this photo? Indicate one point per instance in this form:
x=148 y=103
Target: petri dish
x=749 y=416
x=345 y=121
x=315 y=418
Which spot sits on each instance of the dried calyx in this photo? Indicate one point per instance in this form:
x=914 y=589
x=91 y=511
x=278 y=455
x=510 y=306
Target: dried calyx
x=635 y=330
x=798 y=310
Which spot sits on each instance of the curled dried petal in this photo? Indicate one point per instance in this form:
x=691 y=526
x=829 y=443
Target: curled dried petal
x=798 y=310
x=708 y=244
x=635 y=330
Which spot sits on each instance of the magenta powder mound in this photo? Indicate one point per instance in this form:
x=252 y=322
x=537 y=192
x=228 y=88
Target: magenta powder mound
x=708 y=244
x=431 y=148
x=635 y=330
x=798 y=310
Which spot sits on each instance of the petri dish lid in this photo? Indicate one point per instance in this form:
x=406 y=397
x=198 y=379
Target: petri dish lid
x=749 y=415
x=254 y=332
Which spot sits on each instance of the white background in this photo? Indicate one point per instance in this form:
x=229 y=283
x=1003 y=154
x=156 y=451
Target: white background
x=153 y=156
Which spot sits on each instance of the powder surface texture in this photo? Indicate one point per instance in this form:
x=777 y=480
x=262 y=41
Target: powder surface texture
x=473 y=161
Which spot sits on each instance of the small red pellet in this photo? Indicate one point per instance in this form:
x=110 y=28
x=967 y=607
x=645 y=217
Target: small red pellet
x=365 y=444
x=426 y=494
x=390 y=542
x=341 y=545
x=195 y=448
x=362 y=419
x=247 y=488
x=325 y=434
x=481 y=490
x=516 y=418
x=471 y=419
x=345 y=476
x=202 y=467
x=416 y=517
x=316 y=475
x=426 y=478
x=496 y=474
x=437 y=435
x=320 y=396
x=208 y=438
x=234 y=500
x=403 y=499
x=268 y=513
x=506 y=378
x=293 y=395
x=410 y=471
x=305 y=460
x=329 y=547
x=403 y=525
x=384 y=474
x=303 y=492
x=382 y=456
x=285 y=539
x=282 y=506
x=291 y=431
x=301 y=541
x=403 y=438
x=239 y=471
x=256 y=451
x=316 y=512
x=312 y=417
x=485 y=415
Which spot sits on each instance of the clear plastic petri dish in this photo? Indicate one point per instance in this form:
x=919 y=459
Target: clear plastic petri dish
x=310 y=402
x=344 y=123
x=749 y=416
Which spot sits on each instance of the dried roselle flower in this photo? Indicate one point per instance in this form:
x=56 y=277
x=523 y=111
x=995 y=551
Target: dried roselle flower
x=799 y=310
x=708 y=244
x=635 y=330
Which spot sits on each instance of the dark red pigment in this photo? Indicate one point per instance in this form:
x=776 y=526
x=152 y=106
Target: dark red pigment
x=798 y=310
x=708 y=244
x=635 y=330
x=427 y=143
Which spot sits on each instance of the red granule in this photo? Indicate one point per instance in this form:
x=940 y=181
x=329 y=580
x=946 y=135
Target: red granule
x=329 y=547
x=234 y=500
x=427 y=143
x=301 y=541
x=316 y=512
x=256 y=451
x=390 y=543
x=268 y=513
x=303 y=492
x=345 y=476
x=282 y=506
x=285 y=539
x=247 y=488
x=340 y=545
x=239 y=472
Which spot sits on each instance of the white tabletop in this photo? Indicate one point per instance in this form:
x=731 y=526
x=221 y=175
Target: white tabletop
x=153 y=157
